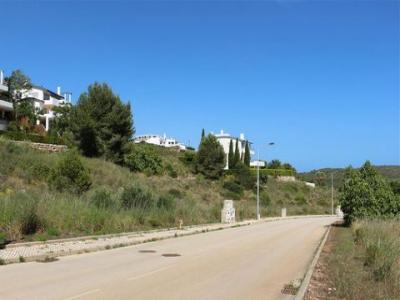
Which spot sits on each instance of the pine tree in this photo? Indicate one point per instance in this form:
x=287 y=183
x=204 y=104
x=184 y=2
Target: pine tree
x=210 y=158
x=203 y=134
x=230 y=155
x=247 y=155
x=236 y=157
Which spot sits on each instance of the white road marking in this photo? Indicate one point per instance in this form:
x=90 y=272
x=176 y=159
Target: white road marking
x=83 y=294
x=148 y=273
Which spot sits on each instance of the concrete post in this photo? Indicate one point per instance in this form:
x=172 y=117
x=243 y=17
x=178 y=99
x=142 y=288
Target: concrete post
x=283 y=213
x=228 y=212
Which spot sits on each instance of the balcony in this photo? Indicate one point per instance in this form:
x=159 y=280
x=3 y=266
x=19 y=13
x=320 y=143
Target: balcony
x=5 y=105
x=3 y=87
x=51 y=102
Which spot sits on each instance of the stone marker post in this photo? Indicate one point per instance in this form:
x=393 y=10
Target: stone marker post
x=283 y=213
x=228 y=212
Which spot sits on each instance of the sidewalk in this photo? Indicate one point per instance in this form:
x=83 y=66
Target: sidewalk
x=43 y=250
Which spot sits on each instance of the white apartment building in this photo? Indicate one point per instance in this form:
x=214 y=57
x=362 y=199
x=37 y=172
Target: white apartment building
x=159 y=140
x=6 y=106
x=43 y=100
x=225 y=139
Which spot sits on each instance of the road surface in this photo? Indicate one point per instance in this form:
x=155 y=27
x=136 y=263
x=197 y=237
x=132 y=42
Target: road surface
x=250 y=262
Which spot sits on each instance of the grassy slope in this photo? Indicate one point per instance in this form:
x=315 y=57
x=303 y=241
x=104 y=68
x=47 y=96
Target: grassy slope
x=26 y=198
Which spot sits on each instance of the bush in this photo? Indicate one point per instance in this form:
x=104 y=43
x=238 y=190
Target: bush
x=244 y=176
x=265 y=200
x=70 y=174
x=235 y=190
x=102 y=198
x=144 y=159
x=136 y=196
x=166 y=202
x=171 y=171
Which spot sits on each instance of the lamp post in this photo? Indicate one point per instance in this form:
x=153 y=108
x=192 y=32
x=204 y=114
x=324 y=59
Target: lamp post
x=258 y=181
x=332 y=193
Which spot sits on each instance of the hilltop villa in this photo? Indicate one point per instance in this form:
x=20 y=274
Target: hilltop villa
x=159 y=140
x=225 y=138
x=44 y=100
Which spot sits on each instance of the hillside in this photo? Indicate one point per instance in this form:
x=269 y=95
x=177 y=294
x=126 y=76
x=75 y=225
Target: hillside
x=118 y=200
x=391 y=173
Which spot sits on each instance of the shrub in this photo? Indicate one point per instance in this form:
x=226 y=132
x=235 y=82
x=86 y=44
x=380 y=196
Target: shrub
x=166 y=202
x=265 y=200
x=136 y=196
x=235 y=190
x=171 y=171
x=144 y=159
x=70 y=174
x=244 y=176
x=102 y=198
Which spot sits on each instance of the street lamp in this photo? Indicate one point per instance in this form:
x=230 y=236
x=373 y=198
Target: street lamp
x=258 y=181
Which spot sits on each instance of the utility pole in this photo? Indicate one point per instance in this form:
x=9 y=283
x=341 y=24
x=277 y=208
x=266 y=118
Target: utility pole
x=332 y=192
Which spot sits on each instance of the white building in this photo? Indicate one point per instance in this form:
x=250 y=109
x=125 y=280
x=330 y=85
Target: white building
x=225 y=139
x=43 y=100
x=159 y=140
x=6 y=107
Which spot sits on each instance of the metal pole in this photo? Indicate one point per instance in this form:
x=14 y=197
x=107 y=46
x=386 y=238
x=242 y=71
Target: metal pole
x=258 y=185
x=332 y=192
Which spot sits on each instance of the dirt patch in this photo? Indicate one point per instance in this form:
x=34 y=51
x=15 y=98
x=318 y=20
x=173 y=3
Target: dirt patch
x=321 y=286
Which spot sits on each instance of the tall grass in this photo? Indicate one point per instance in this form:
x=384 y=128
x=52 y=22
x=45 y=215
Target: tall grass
x=365 y=262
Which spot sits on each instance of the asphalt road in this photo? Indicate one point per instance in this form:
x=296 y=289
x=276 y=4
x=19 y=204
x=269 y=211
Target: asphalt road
x=250 y=262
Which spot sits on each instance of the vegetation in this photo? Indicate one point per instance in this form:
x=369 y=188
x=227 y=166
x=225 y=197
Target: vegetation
x=210 y=158
x=45 y=196
x=390 y=173
x=370 y=249
x=103 y=125
x=365 y=193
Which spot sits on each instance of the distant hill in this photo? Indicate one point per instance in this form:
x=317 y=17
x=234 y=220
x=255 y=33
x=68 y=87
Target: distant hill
x=391 y=173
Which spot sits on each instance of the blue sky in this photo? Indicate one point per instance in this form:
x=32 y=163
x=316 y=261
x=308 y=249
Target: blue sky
x=319 y=78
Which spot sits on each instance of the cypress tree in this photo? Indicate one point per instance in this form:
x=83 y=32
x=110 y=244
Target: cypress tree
x=203 y=134
x=247 y=155
x=230 y=155
x=236 y=157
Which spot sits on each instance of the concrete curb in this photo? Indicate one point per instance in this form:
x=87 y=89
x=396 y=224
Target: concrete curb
x=141 y=237
x=306 y=281
x=143 y=232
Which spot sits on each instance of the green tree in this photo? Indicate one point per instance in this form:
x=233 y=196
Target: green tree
x=275 y=164
x=247 y=155
x=17 y=83
x=236 y=156
x=102 y=124
x=365 y=193
x=203 y=134
x=210 y=158
x=230 y=155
